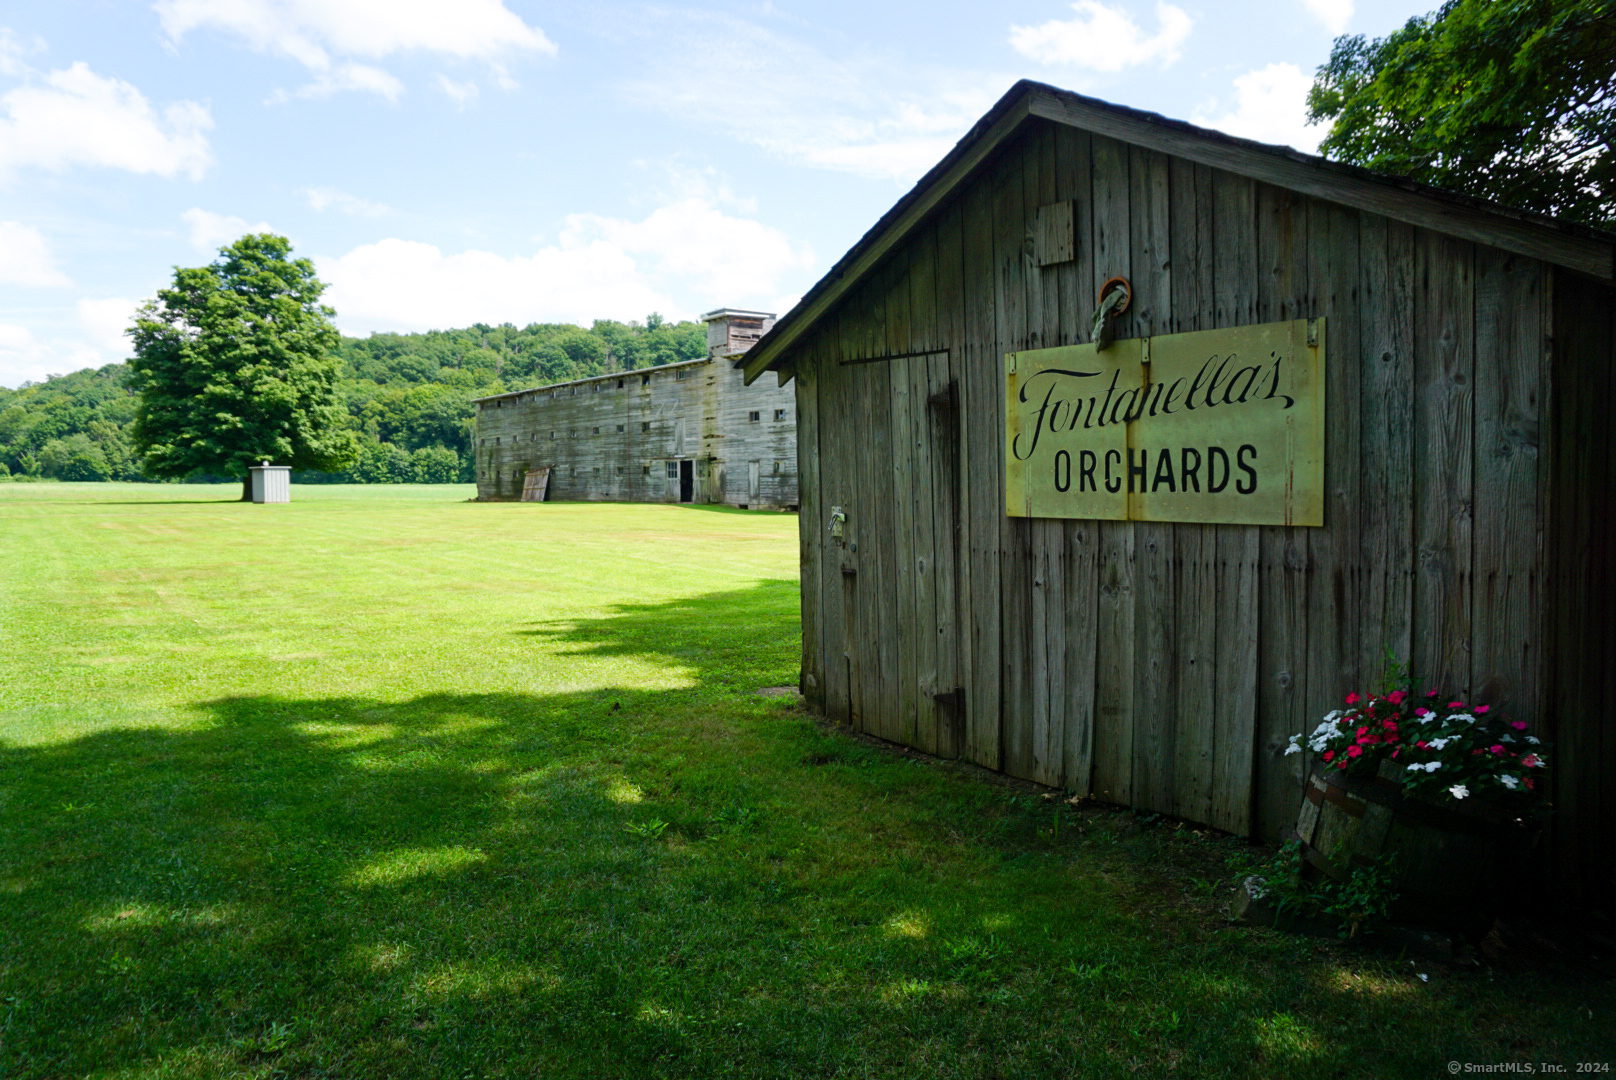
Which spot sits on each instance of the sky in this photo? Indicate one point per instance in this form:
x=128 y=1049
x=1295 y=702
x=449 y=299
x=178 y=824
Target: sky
x=448 y=162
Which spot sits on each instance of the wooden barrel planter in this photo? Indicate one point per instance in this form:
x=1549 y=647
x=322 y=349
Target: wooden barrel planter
x=1445 y=856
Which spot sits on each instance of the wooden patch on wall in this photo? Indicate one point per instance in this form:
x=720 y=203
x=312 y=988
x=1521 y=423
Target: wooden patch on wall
x=1223 y=426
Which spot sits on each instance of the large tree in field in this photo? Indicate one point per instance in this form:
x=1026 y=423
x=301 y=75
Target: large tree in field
x=235 y=364
x=1511 y=100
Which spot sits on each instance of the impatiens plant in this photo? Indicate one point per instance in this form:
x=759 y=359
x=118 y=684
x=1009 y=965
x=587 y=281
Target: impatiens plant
x=1443 y=748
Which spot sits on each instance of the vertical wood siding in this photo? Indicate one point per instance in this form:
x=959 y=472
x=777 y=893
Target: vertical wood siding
x=1164 y=665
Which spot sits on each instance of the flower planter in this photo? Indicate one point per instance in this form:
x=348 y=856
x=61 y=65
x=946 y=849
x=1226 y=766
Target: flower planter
x=1445 y=857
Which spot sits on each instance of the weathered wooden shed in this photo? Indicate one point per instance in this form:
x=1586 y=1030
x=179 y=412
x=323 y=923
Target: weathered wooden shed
x=1465 y=487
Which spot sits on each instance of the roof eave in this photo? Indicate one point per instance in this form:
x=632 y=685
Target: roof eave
x=1577 y=247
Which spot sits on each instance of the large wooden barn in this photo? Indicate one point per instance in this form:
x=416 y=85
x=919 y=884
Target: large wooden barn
x=1442 y=491
x=692 y=432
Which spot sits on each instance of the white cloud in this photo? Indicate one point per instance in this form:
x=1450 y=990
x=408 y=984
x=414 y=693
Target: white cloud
x=340 y=77
x=871 y=115
x=210 y=231
x=1271 y=107
x=104 y=322
x=25 y=257
x=1334 y=14
x=12 y=51
x=24 y=357
x=461 y=93
x=1105 y=38
x=687 y=255
x=326 y=198
x=313 y=32
x=76 y=117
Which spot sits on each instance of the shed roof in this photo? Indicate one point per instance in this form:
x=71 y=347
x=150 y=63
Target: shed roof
x=654 y=368
x=1563 y=243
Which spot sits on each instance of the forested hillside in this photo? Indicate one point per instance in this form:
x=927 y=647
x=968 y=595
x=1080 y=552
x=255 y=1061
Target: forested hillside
x=409 y=395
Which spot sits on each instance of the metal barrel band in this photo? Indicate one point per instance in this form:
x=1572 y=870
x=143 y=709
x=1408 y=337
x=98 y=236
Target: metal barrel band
x=1387 y=793
x=1318 y=795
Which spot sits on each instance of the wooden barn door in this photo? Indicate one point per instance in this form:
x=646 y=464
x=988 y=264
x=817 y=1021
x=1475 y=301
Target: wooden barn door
x=900 y=553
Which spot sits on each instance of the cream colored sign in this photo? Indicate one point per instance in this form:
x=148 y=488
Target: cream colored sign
x=1210 y=426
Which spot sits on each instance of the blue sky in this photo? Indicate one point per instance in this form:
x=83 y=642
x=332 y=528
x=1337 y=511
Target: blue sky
x=455 y=161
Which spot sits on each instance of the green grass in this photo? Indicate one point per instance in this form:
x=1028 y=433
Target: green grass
x=384 y=783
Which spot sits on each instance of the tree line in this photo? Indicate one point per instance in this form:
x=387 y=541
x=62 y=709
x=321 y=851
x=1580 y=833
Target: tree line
x=406 y=397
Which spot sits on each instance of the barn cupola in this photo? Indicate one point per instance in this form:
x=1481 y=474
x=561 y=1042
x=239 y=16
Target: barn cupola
x=731 y=331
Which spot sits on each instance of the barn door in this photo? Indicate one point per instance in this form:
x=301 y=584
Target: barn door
x=900 y=603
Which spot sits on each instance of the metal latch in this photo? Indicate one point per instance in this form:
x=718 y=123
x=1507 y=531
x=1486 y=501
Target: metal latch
x=838 y=518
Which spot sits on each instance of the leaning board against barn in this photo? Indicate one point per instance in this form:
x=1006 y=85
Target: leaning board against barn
x=1154 y=646
x=688 y=432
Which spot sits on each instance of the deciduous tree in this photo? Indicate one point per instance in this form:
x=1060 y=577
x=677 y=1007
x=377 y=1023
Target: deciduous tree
x=1511 y=100
x=235 y=364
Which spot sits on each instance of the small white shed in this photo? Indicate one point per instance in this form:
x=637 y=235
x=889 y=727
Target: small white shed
x=271 y=483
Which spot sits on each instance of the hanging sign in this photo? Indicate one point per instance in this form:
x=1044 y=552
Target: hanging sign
x=1211 y=426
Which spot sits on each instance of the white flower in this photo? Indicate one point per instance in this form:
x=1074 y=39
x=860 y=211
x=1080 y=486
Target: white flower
x=1466 y=717
x=1428 y=717
x=1506 y=738
x=1293 y=748
x=1509 y=782
x=1439 y=744
x=1533 y=739
x=1459 y=791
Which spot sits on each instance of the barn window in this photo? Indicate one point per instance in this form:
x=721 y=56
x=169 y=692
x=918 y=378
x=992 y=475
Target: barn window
x=485 y=442
x=552 y=434
x=777 y=468
x=619 y=427
x=645 y=380
x=620 y=470
x=597 y=470
x=496 y=440
x=779 y=414
x=645 y=425
x=597 y=431
x=673 y=470
x=645 y=470
x=682 y=372
x=620 y=384
x=754 y=416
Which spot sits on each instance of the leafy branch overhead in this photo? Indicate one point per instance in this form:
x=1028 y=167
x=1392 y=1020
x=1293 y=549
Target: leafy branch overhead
x=1508 y=100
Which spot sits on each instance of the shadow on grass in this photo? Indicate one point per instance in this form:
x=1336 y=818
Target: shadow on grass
x=684 y=882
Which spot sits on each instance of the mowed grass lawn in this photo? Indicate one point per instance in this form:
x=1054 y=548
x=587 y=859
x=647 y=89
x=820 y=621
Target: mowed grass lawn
x=384 y=783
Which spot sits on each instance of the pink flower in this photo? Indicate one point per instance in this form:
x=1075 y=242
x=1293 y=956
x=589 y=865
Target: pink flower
x=1483 y=708
x=1455 y=704
x=1421 y=711
x=1518 y=725
x=1430 y=693
x=1495 y=749
x=1329 y=755
x=1363 y=731
x=1395 y=753
x=1396 y=697
x=1354 y=751
x=1531 y=761
x=1352 y=699
x=1421 y=745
